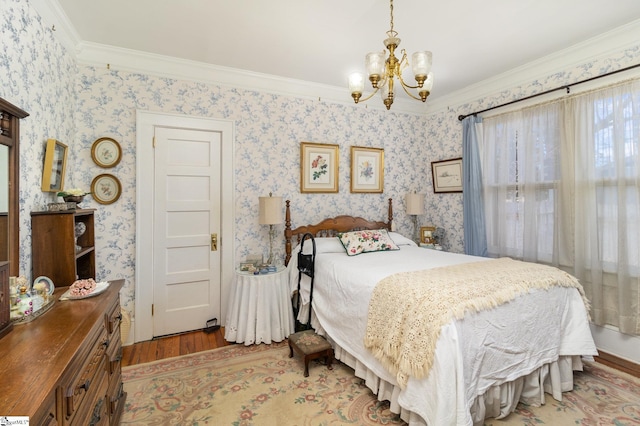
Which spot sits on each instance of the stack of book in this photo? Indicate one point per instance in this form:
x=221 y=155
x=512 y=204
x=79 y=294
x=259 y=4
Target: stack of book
x=431 y=246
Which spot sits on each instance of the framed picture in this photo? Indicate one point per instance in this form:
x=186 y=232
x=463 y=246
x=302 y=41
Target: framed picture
x=247 y=267
x=106 y=189
x=367 y=169
x=447 y=175
x=106 y=152
x=318 y=167
x=426 y=234
x=43 y=285
x=55 y=163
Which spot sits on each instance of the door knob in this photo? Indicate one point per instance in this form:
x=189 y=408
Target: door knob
x=214 y=242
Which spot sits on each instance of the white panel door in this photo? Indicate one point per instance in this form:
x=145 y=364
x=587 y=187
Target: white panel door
x=186 y=264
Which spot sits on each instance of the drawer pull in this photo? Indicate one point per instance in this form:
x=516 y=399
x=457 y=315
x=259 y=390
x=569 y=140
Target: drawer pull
x=119 y=316
x=70 y=396
x=85 y=385
x=97 y=413
x=105 y=343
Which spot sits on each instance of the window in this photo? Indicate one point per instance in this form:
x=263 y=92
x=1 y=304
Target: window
x=562 y=186
x=521 y=170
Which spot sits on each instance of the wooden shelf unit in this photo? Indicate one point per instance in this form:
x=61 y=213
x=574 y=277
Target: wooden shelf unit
x=53 y=241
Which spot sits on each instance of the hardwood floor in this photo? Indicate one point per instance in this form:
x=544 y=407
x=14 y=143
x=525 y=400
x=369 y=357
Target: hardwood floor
x=169 y=346
x=196 y=341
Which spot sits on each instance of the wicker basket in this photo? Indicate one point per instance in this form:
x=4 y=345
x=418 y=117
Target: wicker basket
x=125 y=326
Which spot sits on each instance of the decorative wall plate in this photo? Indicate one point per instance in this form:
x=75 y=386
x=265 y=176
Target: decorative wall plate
x=44 y=282
x=106 y=189
x=106 y=152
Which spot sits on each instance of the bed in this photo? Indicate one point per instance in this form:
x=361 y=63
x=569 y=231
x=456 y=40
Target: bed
x=483 y=361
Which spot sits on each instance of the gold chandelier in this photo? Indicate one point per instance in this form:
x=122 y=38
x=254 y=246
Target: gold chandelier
x=382 y=73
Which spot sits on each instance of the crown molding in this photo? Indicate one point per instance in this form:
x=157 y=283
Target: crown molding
x=129 y=60
x=135 y=61
x=600 y=47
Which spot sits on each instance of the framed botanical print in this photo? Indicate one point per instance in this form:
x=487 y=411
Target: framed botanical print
x=318 y=167
x=55 y=163
x=367 y=169
x=447 y=175
x=106 y=189
x=106 y=152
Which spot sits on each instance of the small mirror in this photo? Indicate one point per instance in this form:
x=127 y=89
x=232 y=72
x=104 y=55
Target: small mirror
x=55 y=163
x=10 y=116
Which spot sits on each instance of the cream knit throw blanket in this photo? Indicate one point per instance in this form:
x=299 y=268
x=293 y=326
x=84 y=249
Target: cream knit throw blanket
x=408 y=309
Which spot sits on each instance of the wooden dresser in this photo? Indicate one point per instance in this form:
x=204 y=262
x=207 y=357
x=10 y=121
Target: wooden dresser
x=64 y=367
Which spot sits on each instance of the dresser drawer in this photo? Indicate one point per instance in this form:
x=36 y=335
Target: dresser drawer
x=114 y=356
x=98 y=407
x=89 y=375
x=46 y=415
x=117 y=397
x=113 y=319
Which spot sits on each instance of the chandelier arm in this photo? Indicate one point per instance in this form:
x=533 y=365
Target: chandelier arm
x=407 y=86
x=370 y=96
x=409 y=93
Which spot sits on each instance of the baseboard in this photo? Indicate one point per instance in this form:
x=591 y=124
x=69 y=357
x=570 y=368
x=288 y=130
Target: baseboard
x=618 y=363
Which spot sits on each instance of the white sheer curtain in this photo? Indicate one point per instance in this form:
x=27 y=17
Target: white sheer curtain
x=523 y=166
x=607 y=196
x=562 y=187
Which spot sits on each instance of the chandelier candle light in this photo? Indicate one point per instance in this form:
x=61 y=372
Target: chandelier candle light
x=270 y=214
x=382 y=73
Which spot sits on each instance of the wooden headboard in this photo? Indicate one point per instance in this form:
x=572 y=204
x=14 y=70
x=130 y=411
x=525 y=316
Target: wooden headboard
x=330 y=227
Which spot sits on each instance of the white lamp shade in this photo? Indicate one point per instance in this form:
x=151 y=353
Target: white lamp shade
x=421 y=63
x=384 y=90
x=270 y=210
x=415 y=204
x=356 y=83
x=428 y=84
x=375 y=63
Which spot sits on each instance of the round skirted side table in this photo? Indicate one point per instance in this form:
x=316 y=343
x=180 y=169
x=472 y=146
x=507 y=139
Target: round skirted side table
x=259 y=308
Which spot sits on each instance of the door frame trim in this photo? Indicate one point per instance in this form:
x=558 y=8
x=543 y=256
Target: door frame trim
x=146 y=121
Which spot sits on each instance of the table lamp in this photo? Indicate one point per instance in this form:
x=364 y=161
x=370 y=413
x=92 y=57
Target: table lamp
x=270 y=214
x=415 y=207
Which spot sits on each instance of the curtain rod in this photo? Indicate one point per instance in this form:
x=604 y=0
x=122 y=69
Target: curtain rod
x=565 y=87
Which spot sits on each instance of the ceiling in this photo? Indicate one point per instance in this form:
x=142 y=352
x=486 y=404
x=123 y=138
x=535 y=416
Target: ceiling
x=323 y=41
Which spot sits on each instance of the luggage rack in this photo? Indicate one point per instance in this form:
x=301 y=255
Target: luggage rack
x=305 y=341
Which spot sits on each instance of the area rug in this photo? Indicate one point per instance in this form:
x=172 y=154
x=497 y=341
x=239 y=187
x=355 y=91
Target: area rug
x=601 y=396
x=248 y=385
x=260 y=385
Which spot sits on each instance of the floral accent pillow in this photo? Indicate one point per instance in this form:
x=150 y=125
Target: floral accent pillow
x=366 y=241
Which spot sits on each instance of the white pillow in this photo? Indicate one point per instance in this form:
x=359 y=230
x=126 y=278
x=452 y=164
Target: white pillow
x=323 y=245
x=401 y=240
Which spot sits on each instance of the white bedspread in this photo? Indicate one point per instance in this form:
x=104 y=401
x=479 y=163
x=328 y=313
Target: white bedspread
x=483 y=350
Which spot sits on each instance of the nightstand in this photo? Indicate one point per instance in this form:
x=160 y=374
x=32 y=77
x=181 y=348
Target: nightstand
x=259 y=308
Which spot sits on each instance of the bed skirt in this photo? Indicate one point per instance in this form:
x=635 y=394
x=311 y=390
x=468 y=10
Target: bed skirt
x=553 y=378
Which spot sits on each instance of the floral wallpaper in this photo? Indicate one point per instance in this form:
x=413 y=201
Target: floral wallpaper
x=268 y=132
x=38 y=75
x=77 y=104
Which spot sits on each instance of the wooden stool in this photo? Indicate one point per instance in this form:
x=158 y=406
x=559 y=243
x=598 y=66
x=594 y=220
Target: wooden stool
x=311 y=346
